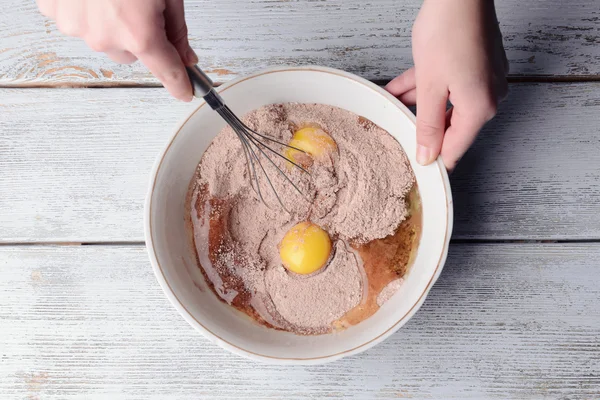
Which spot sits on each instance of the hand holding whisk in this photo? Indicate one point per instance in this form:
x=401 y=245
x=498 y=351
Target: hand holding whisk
x=252 y=142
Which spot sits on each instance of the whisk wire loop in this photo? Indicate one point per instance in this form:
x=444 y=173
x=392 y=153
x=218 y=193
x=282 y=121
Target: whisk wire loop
x=250 y=139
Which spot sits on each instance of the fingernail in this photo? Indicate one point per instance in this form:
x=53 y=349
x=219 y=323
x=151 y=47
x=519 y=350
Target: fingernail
x=191 y=57
x=424 y=155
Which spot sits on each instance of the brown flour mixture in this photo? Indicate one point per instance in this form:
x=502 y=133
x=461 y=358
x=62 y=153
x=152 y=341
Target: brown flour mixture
x=357 y=194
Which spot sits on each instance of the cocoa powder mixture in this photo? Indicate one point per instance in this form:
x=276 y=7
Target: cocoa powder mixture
x=358 y=194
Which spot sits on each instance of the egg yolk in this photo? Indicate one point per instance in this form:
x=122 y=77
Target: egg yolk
x=313 y=141
x=305 y=248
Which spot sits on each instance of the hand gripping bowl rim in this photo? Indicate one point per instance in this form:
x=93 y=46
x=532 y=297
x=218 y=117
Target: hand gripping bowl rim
x=289 y=360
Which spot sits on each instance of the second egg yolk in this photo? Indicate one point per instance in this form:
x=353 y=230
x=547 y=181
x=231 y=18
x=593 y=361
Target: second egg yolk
x=312 y=140
x=305 y=248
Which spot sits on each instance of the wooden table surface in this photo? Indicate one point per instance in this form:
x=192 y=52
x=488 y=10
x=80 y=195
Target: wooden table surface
x=515 y=314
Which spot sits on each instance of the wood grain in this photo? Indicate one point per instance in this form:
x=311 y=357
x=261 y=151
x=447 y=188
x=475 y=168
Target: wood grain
x=504 y=321
x=534 y=171
x=234 y=38
x=75 y=164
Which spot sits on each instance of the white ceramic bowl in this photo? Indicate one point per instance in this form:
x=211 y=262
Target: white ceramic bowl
x=172 y=256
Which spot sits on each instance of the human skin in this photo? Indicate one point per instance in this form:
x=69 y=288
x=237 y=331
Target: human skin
x=459 y=57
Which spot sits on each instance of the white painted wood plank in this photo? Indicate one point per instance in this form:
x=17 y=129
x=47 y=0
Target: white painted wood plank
x=534 y=172
x=504 y=321
x=78 y=160
x=75 y=164
x=550 y=37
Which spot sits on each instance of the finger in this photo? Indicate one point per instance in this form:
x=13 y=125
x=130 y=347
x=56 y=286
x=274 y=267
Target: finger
x=103 y=33
x=163 y=60
x=460 y=135
x=71 y=18
x=431 y=121
x=47 y=7
x=402 y=83
x=121 y=57
x=177 y=32
x=409 y=98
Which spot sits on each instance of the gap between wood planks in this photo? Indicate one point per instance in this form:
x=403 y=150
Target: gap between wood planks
x=380 y=82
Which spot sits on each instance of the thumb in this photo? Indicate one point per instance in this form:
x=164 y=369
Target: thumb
x=431 y=121
x=177 y=31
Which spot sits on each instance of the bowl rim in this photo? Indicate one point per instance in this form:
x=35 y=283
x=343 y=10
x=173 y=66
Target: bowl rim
x=181 y=308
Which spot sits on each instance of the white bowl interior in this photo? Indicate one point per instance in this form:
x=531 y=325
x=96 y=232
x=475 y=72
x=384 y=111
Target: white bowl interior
x=173 y=257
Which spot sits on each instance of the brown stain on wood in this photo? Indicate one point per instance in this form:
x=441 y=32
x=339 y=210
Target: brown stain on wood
x=84 y=71
x=220 y=71
x=46 y=58
x=106 y=73
x=36 y=84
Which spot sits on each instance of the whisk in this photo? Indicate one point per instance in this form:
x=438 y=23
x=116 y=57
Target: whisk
x=250 y=139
